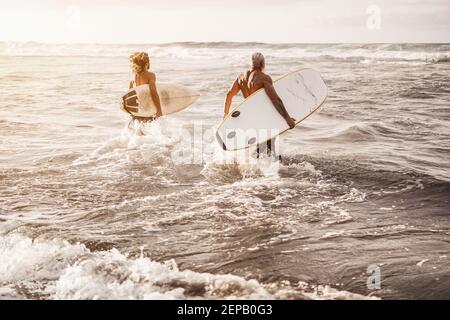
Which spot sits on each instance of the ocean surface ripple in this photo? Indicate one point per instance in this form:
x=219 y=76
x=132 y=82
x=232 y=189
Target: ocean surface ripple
x=90 y=211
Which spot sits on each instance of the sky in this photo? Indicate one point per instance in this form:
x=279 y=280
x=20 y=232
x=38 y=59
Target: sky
x=272 y=21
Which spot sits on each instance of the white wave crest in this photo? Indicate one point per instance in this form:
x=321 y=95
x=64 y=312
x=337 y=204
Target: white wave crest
x=61 y=270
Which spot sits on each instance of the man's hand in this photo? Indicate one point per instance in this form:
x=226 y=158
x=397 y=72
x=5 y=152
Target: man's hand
x=234 y=90
x=291 y=122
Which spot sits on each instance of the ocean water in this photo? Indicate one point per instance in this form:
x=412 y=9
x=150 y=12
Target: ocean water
x=89 y=210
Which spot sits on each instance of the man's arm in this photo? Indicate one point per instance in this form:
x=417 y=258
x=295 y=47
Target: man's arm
x=155 y=95
x=234 y=90
x=277 y=102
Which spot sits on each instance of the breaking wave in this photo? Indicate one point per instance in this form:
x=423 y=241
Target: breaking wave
x=56 y=269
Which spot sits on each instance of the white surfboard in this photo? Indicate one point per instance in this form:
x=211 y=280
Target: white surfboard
x=256 y=120
x=174 y=98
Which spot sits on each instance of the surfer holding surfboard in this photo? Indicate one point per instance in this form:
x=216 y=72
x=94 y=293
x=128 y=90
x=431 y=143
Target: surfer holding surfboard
x=145 y=101
x=270 y=107
x=250 y=82
x=140 y=65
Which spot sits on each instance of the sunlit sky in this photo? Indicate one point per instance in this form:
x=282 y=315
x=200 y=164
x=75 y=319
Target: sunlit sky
x=275 y=21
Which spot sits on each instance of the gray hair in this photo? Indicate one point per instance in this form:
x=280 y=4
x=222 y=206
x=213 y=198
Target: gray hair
x=258 y=61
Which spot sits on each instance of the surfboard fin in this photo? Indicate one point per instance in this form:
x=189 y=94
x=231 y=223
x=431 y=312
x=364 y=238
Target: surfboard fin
x=220 y=141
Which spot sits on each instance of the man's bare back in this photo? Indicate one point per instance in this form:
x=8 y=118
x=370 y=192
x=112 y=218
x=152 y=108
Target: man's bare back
x=252 y=81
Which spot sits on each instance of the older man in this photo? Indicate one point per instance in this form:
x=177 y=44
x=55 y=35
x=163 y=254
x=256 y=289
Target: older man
x=253 y=80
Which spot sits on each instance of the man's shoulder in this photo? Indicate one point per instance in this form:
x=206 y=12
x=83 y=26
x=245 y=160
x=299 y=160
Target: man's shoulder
x=264 y=77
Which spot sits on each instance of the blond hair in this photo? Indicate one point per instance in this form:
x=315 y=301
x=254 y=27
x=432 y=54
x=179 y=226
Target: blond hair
x=139 y=62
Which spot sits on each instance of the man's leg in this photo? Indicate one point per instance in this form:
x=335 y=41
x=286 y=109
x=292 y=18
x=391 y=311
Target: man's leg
x=269 y=147
x=272 y=149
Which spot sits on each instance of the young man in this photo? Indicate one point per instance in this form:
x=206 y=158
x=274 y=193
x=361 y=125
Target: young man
x=250 y=82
